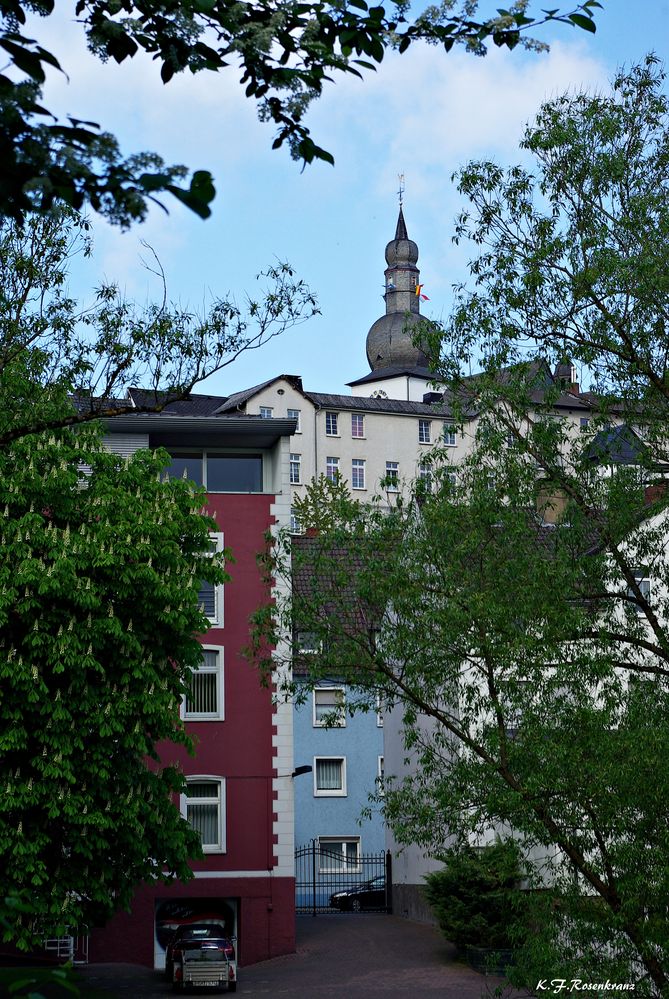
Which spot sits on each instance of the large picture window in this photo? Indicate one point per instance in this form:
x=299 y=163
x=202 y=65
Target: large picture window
x=219 y=473
x=203 y=807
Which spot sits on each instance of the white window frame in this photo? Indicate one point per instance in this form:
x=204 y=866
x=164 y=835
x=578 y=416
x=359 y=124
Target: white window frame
x=295 y=460
x=339 y=709
x=450 y=435
x=296 y=414
x=392 y=485
x=267 y=412
x=323 y=842
x=358 y=465
x=307 y=648
x=295 y=526
x=380 y=775
x=330 y=419
x=425 y=431
x=355 y=417
x=379 y=711
x=219 y=715
x=642 y=577
x=425 y=471
x=332 y=465
x=220 y=846
x=218 y=618
x=336 y=792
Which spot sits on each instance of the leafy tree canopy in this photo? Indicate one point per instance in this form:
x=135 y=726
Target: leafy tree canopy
x=101 y=561
x=63 y=363
x=515 y=617
x=286 y=50
x=98 y=612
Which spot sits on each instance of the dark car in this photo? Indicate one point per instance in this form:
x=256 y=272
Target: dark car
x=368 y=895
x=190 y=934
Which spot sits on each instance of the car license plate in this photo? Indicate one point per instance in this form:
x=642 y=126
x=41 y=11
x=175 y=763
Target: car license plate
x=210 y=981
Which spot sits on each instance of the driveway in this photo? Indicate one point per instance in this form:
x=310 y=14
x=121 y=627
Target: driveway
x=360 y=957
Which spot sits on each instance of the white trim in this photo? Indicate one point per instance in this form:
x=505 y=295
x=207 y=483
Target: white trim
x=345 y=868
x=220 y=715
x=331 y=792
x=341 y=714
x=218 y=619
x=220 y=847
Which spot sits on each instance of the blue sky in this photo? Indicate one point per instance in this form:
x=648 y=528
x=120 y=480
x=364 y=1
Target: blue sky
x=424 y=114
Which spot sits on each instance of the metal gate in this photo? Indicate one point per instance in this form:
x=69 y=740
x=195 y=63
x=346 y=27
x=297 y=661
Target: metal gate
x=329 y=879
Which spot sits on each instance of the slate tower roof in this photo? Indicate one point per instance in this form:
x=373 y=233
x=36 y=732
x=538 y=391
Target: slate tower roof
x=389 y=342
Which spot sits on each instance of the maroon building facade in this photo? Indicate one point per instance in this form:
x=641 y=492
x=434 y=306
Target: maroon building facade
x=240 y=785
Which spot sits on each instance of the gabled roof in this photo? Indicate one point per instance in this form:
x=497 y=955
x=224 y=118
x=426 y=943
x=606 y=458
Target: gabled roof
x=394 y=371
x=618 y=446
x=239 y=399
x=194 y=404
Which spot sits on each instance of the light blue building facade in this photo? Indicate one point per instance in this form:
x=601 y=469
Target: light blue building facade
x=347 y=760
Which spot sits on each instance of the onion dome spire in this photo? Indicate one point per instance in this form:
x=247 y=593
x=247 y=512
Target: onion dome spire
x=389 y=340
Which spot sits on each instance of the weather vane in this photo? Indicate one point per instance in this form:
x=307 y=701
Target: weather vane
x=400 y=177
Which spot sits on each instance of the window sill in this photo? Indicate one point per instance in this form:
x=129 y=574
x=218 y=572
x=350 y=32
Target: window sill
x=330 y=794
x=359 y=489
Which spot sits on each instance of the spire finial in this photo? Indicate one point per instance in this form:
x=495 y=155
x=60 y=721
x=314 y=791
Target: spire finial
x=400 y=193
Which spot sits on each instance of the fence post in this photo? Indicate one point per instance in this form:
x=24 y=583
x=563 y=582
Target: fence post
x=313 y=876
x=389 y=882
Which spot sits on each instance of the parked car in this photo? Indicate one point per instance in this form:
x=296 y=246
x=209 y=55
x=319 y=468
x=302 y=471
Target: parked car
x=201 y=955
x=368 y=895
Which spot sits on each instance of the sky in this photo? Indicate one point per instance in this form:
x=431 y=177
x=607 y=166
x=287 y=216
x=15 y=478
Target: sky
x=424 y=114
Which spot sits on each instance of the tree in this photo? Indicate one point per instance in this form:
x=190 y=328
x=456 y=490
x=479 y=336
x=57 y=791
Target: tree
x=98 y=617
x=62 y=363
x=285 y=50
x=99 y=575
x=517 y=617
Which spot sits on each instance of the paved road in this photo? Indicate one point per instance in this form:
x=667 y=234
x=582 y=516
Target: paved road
x=348 y=956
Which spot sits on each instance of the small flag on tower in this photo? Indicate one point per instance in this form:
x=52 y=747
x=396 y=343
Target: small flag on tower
x=419 y=293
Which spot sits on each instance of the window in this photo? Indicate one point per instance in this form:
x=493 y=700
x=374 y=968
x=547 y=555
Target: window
x=330 y=776
x=336 y=855
x=584 y=422
x=204 y=700
x=643 y=582
x=186 y=466
x=234 y=473
x=266 y=412
x=392 y=476
x=332 y=468
x=331 y=424
x=295 y=468
x=425 y=475
x=202 y=805
x=357 y=425
x=379 y=711
x=307 y=643
x=424 y=431
x=450 y=439
x=358 y=473
x=210 y=597
x=380 y=774
x=329 y=707
x=294 y=414
x=295 y=526
x=218 y=473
